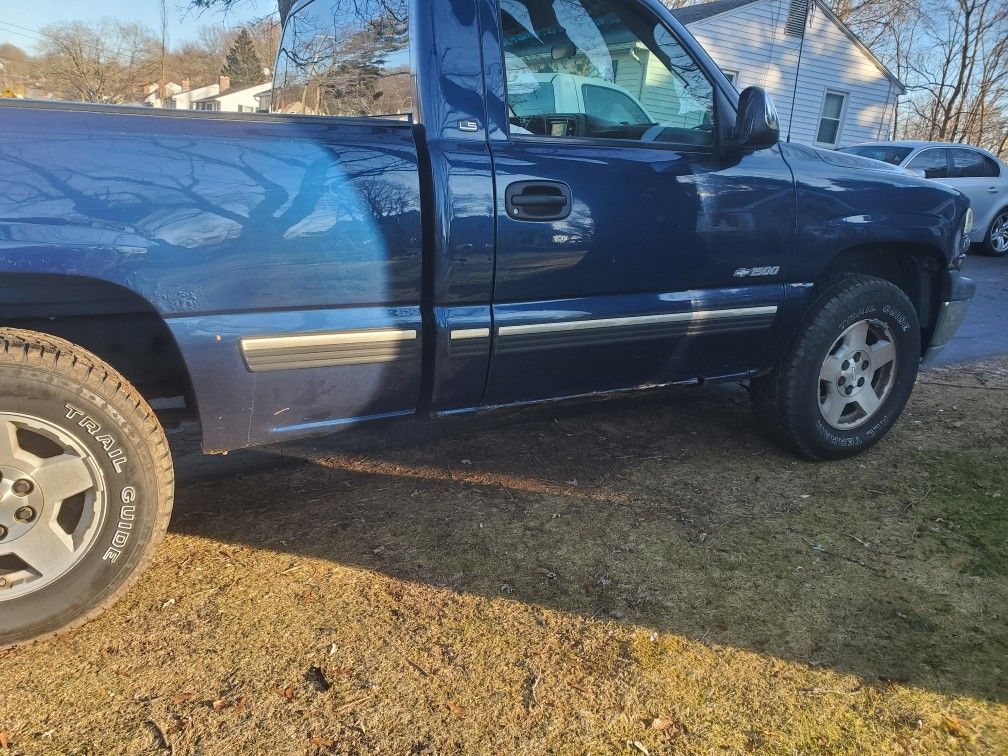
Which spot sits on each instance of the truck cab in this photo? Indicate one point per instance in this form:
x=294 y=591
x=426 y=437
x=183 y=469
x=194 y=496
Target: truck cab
x=454 y=206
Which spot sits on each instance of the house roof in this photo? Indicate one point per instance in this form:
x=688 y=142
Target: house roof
x=227 y=92
x=699 y=12
x=692 y=13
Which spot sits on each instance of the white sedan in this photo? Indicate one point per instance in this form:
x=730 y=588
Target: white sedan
x=973 y=171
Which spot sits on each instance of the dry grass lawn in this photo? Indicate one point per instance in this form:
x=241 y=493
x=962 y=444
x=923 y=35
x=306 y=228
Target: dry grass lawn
x=640 y=576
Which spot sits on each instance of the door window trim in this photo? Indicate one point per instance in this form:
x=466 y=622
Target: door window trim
x=544 y=139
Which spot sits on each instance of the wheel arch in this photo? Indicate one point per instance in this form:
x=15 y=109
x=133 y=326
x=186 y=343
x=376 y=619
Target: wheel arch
x=915 y=268
x=113 y=322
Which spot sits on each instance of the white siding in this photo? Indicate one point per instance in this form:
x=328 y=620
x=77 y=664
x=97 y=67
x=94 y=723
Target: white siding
x=246 y=98
x=751 y=40
x=185 y=100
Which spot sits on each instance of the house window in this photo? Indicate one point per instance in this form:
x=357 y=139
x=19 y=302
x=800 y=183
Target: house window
x=732 y=76
x=829 y=119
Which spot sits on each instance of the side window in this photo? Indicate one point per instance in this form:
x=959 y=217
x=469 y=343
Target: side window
x=932 y=162
x=345 y=58
x=993 y=170
x=967 y=164
x=601 y=69
x=830 y=118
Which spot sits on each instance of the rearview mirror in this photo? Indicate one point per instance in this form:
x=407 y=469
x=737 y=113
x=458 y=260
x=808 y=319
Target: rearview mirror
x=756 y=125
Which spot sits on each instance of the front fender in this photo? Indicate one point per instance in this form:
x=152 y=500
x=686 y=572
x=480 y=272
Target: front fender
x=841 y=206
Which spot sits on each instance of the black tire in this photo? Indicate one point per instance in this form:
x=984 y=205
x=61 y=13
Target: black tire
x=787 y=400
x=988 y=242
x=65 y=388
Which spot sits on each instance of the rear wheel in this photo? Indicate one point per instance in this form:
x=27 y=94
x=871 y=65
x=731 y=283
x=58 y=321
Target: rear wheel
x=85 y=485
x=996 y=241
x=846 y=377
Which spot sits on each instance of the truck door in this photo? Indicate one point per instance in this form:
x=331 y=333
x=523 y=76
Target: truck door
x=631 y=250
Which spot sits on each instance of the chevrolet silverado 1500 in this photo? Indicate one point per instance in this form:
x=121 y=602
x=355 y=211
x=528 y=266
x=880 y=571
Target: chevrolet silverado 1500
x=429 y=221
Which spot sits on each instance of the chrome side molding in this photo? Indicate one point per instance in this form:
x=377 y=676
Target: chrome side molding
x=328 y=349
x=470 y=333
x=637 y=320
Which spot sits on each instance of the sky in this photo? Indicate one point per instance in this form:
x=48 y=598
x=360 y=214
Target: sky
x=20 y=20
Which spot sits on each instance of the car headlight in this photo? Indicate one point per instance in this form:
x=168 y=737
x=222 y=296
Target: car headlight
x=968 y=223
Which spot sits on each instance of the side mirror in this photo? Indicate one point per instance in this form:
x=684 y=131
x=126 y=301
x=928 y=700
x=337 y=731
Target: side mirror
x=756 y=125
x=918 y=172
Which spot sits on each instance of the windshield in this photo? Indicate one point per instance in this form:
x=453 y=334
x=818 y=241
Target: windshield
x=532 y=97
x=887 y=153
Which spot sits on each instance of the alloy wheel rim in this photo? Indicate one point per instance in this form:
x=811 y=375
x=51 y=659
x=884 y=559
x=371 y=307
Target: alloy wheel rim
x=857 y=374
x=999 y=233
x=52 y=503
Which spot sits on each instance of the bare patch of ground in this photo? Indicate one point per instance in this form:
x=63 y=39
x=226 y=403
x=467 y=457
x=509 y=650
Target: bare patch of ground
x=639 y=576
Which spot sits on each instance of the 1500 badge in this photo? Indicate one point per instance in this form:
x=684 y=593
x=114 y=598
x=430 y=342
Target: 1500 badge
x=766 y=270
x=114 y=451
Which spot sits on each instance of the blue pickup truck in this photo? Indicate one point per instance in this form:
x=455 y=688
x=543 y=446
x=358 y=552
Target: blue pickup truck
x=452 y=206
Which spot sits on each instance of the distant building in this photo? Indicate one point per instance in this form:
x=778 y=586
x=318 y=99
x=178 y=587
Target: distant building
x=155 y=94
x=213 y=97
x=38 y=93
x=244 y=100
x=839 y=94
x=265 y=100
x=184 y=100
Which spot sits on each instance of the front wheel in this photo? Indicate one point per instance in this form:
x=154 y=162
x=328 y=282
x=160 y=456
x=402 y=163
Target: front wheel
x=85 y=485
x=848 y=373
x=996 y=241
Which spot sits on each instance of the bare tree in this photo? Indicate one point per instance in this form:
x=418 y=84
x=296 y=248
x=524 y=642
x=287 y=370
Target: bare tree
x=283 y=6
x=345 y=60
x=953 y=57
x=104 y=62
x=959 y=74
x=201 y=60
x=16 y=68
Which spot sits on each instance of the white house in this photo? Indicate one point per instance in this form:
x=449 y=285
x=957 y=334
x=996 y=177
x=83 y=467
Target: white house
x=213 y=97
x=265 y=100
x=155 y=95
x=843 y=93
x=244 y=100
x=181 y=96
x=184 y=100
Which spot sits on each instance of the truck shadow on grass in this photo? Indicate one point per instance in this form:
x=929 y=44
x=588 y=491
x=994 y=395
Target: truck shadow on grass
x=668 y=511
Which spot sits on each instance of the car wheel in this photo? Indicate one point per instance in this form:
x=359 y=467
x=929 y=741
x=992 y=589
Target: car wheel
x=85 y=485
x=847 y=375
x=996 y=241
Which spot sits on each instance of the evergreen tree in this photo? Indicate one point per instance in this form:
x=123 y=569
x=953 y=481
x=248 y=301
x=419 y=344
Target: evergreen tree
x=243 y=65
